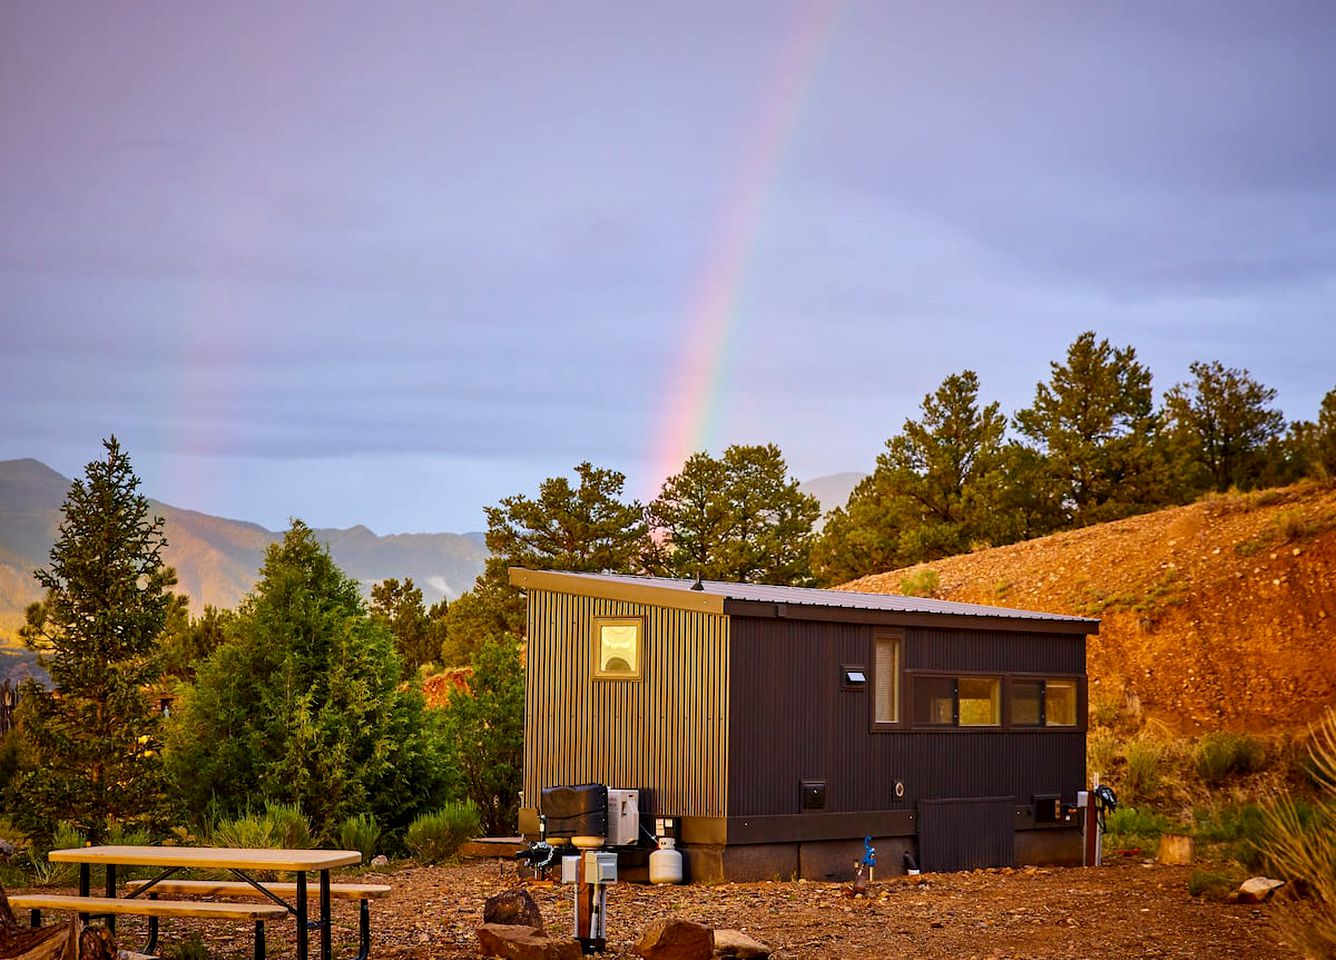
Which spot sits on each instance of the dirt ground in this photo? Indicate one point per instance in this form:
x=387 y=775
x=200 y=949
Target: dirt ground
x=1127 y=909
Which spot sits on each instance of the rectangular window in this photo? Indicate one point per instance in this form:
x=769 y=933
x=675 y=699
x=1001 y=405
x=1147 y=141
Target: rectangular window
x=980 y=701
x=934 y=701
x=1043 y=703
x=1027 y=703
x=617 y=648
x=886 y=677
x=1060 y=703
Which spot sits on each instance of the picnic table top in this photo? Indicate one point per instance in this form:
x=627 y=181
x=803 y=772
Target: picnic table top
x=209 y=857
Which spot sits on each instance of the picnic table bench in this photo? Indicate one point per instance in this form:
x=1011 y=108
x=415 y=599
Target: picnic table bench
x=142 y=897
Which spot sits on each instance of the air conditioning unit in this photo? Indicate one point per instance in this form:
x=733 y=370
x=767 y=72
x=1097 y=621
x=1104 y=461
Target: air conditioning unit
x=623 y=818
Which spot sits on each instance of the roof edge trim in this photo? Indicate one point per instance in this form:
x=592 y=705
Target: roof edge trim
x=699 y=602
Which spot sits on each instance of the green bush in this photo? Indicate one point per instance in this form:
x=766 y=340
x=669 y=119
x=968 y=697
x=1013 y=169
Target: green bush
x=361 y=833
x=1212 y=885
x=1128 y=823
x=48 y=874
x=434 y=837
x=281 y=826
x=922 y=582
x=1222 y=754
x=1101 y=750
x=192 y=947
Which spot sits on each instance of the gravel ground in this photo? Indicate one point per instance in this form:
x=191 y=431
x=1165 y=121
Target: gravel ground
x=1126 y=909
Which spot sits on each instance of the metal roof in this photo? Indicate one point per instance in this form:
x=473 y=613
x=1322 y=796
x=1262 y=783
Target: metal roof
x=807 y=597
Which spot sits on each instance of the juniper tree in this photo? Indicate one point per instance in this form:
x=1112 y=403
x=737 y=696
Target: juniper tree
x=92 y=739
x=1224 y=419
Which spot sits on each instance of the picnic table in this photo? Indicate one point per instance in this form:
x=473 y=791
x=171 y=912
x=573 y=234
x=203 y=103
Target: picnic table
x=245 y=864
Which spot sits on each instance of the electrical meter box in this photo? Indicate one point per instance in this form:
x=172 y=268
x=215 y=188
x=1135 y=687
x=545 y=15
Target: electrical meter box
x=623 y=818
x=600 y=867
x=570 y=869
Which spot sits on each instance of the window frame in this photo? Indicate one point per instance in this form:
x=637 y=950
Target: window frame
x=1007 y=679
x=596 y=648
x=901 y=721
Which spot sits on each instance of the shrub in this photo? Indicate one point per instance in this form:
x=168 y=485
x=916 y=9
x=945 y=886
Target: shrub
x=434 y=837
x=1301 y=845
x=1142 y=776
x=361 y=833
x=1212 y=885
x=1130 y=823
x=1223 y=754
x=192 y=947
x=921 y=582
x=1101 y=751
x=280 y=826
x=48 y=874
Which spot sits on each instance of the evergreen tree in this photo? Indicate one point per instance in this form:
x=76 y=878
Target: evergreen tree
x=304 y=703
x=938 y=489
x=400 y=608
x=1095 y=422
x=1225 y=421
x=739 y=518
x=583 y=527
x=187 y=641
x=1325 y=440
x=92 y=739
x=486 y=723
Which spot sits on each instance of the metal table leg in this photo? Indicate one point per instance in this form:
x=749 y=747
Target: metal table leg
x=302 y=931
x=326 y=921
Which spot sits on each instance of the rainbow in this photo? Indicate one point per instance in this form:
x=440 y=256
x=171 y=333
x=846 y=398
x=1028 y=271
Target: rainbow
x=692 y=399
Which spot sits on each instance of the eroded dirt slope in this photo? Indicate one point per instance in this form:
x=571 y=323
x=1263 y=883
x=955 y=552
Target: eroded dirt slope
x=1217 y=614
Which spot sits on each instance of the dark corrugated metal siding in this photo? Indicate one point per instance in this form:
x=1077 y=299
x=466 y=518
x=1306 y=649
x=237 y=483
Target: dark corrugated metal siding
x=999 y=651
x=665 y=734
x=966 y=834
x=791 y=721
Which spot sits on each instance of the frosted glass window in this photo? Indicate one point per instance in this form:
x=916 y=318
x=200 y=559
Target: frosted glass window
x=886 y=673
x=617 y=649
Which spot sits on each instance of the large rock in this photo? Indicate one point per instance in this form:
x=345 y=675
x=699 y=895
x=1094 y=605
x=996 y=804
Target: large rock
x=1258 y=889
x=735 y=943
x=513 y=907
x=674 y=939
x=513 y=942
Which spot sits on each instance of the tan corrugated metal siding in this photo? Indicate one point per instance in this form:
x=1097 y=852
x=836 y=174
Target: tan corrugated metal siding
x=666 y=733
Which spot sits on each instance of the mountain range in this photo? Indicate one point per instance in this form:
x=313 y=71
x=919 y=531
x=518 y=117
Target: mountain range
x=216 y=559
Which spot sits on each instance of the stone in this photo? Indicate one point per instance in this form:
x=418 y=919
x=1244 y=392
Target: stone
x=514 y=908
x=674 y=939
x=514 y=942
x=1258 y=889
x=380 y=860
x=735 y=943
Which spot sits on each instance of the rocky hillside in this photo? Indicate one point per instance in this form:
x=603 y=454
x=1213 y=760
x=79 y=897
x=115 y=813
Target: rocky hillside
x=1217 y=614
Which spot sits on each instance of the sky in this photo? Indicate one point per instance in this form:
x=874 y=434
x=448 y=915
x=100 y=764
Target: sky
x=389 y=263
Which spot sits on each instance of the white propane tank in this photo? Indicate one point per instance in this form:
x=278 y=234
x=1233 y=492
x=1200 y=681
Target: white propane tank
x=665 y=863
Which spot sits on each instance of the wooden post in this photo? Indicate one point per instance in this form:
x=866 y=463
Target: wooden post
x=584 y=905
x=1091 y=857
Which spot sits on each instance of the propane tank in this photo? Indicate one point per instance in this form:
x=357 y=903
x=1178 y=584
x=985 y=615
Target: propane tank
x=665 y=863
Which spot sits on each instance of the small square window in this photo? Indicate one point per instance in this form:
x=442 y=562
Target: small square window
x=1027 y=698
x=980 y=701
x=617 y=648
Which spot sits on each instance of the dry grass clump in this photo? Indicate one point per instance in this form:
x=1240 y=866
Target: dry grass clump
x=1301 y=845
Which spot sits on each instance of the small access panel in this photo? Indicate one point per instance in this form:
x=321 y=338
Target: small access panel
x=967 y=833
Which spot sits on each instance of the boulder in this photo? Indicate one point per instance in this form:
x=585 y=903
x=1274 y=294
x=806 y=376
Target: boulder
x=735 y=943
x=674 y=939
x=514 y=908
x=1258 y=889
x=513 y=942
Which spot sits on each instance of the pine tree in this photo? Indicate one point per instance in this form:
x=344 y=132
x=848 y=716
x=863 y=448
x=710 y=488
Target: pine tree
x=938 y=489
x=1225 y=420
x=1096 y=424
x=740 y=517
x=400 y=607
x=305 y=703
x=486 y=723
x=93 y=738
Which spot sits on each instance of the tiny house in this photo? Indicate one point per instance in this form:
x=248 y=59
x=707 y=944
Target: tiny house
x=779 y=726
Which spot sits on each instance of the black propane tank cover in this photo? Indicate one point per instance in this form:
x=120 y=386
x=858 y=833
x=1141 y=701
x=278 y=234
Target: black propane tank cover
x=576 y=811
x=814 y=794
